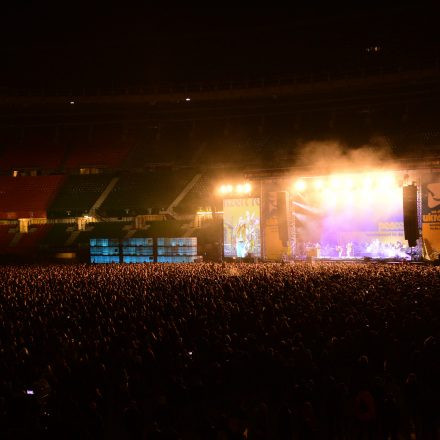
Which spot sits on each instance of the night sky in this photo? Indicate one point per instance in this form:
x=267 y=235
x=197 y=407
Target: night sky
x=74 y=44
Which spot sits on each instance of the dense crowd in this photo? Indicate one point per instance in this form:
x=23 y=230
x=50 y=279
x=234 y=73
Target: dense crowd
x=220 y=351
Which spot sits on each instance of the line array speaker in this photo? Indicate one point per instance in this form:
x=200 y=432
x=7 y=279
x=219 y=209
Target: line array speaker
x=283 y=232
x=410 y=221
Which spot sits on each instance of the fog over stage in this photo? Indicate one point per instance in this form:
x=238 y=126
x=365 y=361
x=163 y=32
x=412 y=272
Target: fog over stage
x=350 y=216
x=334 y=216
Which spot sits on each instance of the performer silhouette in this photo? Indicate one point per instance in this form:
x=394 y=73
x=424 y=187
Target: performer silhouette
x=349 y=249
x=339 y=249
x=318 y=250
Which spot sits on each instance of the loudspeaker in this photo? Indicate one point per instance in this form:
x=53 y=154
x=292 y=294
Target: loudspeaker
x=410 y=222
x=283 y=232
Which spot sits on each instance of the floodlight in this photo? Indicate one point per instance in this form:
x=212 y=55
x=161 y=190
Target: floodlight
x=386 y=180
x=348 y=182
x=335 y=182
x=300 y=185
x=368 y=182
x=318 y=184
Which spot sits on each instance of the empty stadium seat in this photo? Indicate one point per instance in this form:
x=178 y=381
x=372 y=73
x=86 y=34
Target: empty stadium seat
x=24 y=197
x=78 y=194
x=145 y=193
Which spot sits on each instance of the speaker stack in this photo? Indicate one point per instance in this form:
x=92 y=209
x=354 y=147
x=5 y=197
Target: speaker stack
x=410 y=220
x=283 y=232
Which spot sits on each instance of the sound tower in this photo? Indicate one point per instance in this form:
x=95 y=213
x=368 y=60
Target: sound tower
x=283 y=232
x=410 y=221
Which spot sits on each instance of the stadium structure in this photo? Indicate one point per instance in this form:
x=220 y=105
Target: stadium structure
x=140 y=175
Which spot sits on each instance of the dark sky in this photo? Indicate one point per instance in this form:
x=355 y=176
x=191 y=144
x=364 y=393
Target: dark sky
x=75 y=44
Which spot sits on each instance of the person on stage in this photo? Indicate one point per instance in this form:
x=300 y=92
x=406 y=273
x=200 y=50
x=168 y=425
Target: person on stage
x=318 y=250
x=349 y=249
x=339 y=250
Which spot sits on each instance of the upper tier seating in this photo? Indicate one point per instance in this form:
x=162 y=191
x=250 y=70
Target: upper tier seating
x=199 y=197
x=78 y=194
x=145 y=193
x=102 y=147
x=33 y=149
x=24 y=197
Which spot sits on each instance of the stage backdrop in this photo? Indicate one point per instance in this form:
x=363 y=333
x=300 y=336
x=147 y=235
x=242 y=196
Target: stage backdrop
x=241 y=227
x=431 y=215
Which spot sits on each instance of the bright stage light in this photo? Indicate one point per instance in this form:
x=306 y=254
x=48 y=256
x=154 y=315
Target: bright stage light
x=329 y=197
x=367 y=182
x=386 y=180
x=247 y=188
x=300 y=185
x=348 y=182
x=239 y=189
x=225 y=189
x=335 y=182
x=318 y=184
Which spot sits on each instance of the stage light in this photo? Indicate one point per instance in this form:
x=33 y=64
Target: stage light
x=318 y=184
x=348 y=182
x=300 y=185
x=368 y=182
x=239 y=189
x=247 y=188
x=386 y=180
x=335 y=182
x=188 y=99
x=330 y=197
x=225 y=189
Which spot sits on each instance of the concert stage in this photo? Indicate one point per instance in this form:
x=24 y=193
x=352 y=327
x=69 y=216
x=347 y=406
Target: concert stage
x=345 y=217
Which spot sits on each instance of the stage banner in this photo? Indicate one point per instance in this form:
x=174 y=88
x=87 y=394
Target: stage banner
x=431 y=215
x=241 y=227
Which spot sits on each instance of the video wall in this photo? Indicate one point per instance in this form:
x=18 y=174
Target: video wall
x=241 y=227
x=142 y=250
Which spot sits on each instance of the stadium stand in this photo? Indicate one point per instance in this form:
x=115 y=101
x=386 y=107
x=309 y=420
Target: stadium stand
x=5 y=236
x=200 y=197
x=168 y=228
x=96 y=148
x=24 y=197
x=56 y=236
x=145 y=193
x=35 y=149
x=78 y=194
x=28 y=243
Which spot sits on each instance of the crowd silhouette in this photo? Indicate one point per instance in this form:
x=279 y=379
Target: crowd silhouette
x=220 y=351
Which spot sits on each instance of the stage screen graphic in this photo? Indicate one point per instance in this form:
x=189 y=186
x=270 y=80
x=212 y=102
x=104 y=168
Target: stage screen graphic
x=241 y=227
x=350 y=216
x=431 y=215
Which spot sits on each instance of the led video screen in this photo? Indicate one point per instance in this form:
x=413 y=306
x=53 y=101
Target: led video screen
x=241 y=227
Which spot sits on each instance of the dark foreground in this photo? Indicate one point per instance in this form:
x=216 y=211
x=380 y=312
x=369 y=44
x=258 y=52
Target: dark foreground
x=203 y=351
